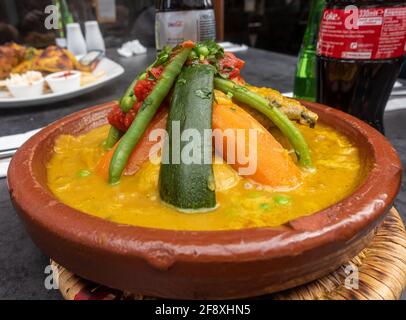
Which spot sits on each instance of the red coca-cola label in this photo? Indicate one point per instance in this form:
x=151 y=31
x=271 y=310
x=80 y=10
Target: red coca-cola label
x=362 y=34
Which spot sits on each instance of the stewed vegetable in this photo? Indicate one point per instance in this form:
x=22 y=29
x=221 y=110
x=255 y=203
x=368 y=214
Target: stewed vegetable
x=112 y=138
x=146 y=113
x=129 y=98
x=196 y=69
x=272 y=111
x=264 y=153
x=189 y=185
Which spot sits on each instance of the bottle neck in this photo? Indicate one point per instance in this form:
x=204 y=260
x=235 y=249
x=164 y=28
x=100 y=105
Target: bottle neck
x=313 y=24
x=180 y=5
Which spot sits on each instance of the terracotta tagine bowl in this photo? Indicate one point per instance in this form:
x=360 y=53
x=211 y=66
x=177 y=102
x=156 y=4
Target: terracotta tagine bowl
x=208 y=264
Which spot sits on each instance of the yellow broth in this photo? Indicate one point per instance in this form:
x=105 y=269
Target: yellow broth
x=241 y=204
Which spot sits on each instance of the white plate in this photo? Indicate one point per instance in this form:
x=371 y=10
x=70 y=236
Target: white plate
x=110 y=69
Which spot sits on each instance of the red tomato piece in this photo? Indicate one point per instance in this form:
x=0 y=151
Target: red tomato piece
x=231 y=65
x=144 y=87
x=116 y=118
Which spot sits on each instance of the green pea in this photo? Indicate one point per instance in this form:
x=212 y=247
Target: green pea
x=203 y=51
x=265 y=206
x=83 y=173
x=126 y=103
x=282 y=200
x=192 y=55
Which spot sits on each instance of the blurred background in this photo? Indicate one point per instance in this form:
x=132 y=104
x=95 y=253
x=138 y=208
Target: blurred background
x=245 y=21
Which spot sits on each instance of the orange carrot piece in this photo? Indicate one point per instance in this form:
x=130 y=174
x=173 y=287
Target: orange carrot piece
x=102 y=168
x=274 y=166
x=188 y=44
x=140 y=154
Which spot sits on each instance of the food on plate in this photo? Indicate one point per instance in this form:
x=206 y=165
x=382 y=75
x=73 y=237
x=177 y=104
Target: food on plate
x=64 y=80
x=26 y=63
x=11 y=55
x=29 y=84
x=16 y=58
x=55 y=59
x=91 y=77
x=232 y=156
x=23 y=79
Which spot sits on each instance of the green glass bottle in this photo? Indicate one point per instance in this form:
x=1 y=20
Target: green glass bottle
x=64 y=17
x=305 y=79
x=66 y=14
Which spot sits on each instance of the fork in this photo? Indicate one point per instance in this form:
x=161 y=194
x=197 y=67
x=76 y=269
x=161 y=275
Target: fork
x=7 y=153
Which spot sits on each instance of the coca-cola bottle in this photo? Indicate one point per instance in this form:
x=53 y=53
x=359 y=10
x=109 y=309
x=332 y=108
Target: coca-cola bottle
x=180 y=20
x=360 y=51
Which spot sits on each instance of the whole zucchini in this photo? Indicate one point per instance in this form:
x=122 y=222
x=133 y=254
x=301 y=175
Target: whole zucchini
x=184 y=185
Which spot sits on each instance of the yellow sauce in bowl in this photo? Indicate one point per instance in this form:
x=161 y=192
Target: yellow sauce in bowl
x=241 y=204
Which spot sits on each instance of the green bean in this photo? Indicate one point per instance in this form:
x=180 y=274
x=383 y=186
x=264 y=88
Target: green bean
x=272 y=111
x=128 y=99
x=126 y=103
x=145 y=115
x=112 y=138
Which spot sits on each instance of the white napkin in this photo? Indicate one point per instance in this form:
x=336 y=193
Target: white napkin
x=4 y=167
x=12 y=142
x=131 y=47
x=288 y=94
x=396 y=103
x=233 y=47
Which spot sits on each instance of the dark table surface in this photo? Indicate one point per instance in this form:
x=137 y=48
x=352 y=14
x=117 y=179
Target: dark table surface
x=22 y=265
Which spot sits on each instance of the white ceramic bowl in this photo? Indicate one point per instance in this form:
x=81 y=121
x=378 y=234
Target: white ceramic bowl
x=64 y=80
x=32 y=90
